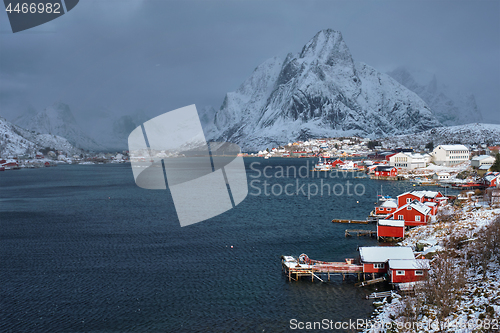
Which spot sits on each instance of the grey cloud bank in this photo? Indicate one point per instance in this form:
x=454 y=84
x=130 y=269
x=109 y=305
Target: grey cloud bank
x=120 y=57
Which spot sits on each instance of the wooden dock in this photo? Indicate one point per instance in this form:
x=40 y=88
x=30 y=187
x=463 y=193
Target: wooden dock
x=351 y=221
x=360 y=232
x=296 y=268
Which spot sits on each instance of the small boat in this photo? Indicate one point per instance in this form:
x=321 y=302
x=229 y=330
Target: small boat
x=322 y=166
x=384 y=198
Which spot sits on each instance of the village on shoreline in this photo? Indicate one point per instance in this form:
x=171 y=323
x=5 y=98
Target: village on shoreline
x=444 y=262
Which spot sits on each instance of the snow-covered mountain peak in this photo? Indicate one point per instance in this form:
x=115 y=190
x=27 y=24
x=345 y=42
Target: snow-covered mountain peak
x=318 y=92
x=326 y=47
x=59 y=120
x=448 y=106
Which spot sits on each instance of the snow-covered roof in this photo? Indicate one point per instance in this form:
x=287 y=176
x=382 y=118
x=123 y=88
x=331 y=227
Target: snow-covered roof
x=417 y=205
x=384 y=253
x=430 y=203
x=485 y=167
x=389 y=204
x=453 y=147
x=409 y=264
x=482 y=157
x=392 y=223
x=427 y=194
x=384 y=168
x=420 y=207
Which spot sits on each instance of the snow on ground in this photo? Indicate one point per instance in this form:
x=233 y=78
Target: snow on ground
x=480 y=299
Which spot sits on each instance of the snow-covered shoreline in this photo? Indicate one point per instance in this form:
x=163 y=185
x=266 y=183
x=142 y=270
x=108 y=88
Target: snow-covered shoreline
x=478 y=304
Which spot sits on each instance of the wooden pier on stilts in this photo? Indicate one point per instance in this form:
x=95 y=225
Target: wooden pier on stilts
x=352 y=221
x=360 y=232
x=294 y=268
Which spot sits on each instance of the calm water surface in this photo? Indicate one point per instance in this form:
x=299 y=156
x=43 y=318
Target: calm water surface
x=83 y=249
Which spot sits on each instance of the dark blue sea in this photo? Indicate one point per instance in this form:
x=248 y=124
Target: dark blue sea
x=83 y=249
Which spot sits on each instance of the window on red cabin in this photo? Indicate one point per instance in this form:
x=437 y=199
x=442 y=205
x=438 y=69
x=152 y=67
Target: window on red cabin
x=419 y=272
x=417 y=218
x=401 y=217
x=408 y=200
x=400 y=272
x=378 y=266
x=408 y=208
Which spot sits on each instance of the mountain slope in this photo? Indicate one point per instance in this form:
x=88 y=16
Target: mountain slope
x=469 y=134
x=15 y=140
x=318 y=92
x=449 y=107
x=59 y=120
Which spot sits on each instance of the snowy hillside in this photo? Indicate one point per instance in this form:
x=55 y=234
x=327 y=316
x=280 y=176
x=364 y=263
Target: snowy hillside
x=449 y=107
x=59 y=120
x=465 y=134
x=15 y=140
x=318 y=92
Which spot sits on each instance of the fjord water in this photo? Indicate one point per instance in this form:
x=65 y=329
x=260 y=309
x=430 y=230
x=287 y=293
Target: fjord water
x=83 y=249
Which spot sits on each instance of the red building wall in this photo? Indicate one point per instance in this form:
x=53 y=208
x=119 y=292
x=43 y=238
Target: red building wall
x=383 y=210
x=368 y=268
x=409 y=216
x=392 y=173
x=390 y=231
x=402 y=199
x=408 y=277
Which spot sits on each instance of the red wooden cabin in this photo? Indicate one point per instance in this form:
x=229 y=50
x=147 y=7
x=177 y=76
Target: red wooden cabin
x=385 y=171
x=414 y=213
x=374 y=258
x=407 y=270
x=391 y=228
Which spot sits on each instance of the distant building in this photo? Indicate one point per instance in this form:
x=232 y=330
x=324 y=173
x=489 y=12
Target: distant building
x=385 y=171
x=406 y=160
x=481 y=160
x=449 y=155
x=441 y=176
x=493 y=150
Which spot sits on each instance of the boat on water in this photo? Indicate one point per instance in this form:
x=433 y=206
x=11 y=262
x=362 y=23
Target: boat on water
x=322 y=165
x=468 y=186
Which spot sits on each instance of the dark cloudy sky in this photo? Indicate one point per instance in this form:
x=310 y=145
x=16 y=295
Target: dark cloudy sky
x=121 y=56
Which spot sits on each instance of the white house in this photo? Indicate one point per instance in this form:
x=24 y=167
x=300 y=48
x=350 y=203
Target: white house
x=441 y=176
x=481 y=160
x=408 y=161
x=449 y=155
